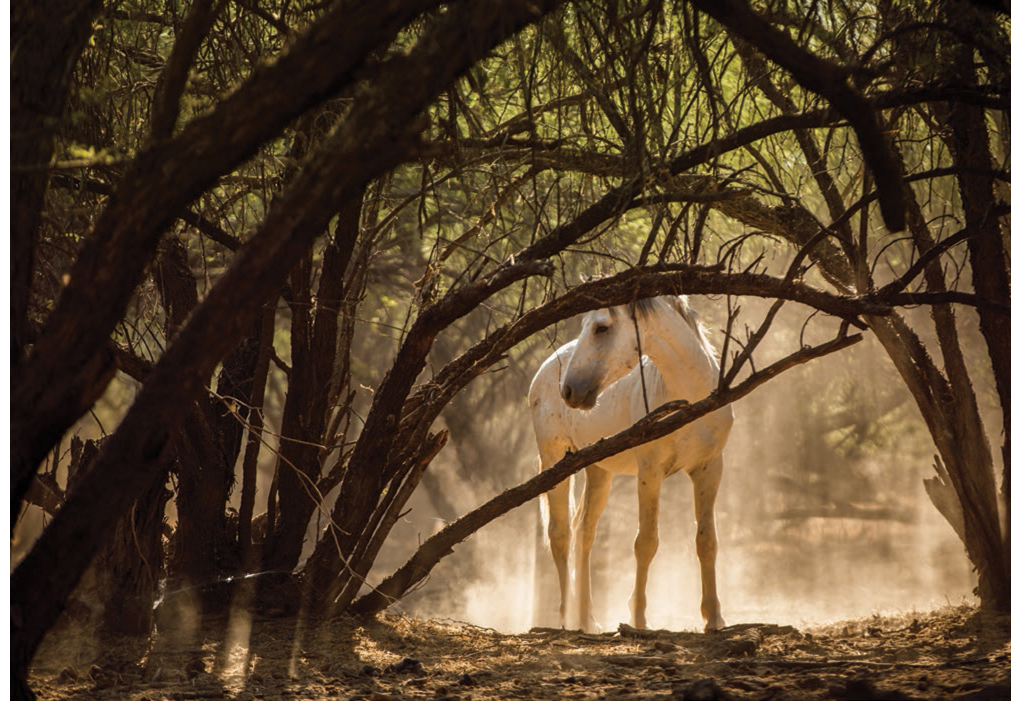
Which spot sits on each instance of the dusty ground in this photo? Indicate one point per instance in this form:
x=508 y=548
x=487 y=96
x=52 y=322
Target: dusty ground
x=950 y=654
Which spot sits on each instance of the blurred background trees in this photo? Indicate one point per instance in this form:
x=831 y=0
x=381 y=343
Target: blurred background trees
x=251 y=242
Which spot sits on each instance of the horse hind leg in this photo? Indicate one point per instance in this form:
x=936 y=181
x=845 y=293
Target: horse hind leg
x=706 y=483
x=597 y=491
x=646 y=542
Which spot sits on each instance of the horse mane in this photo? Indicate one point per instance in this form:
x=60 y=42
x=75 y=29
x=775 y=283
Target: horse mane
x=680 y=305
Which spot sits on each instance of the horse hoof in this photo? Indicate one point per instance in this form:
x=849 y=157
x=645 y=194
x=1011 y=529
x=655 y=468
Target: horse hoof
x=714 y=624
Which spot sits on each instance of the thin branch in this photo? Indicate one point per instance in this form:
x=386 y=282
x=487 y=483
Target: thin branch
x=909 y=299
x=170 y=86
x=919 y=265
x=830 y=81
x=636 y=283
x=202 y=224
x=753 y=342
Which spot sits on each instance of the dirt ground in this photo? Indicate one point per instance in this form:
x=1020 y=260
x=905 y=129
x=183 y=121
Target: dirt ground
x=953 y=653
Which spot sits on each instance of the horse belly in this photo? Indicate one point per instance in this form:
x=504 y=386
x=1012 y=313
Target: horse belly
x=625 y=463
x=701 y=441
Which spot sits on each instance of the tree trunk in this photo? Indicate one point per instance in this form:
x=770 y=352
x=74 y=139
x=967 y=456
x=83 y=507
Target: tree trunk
x=126 y=572
x=249 y=471
x=70 y=366
x=378 y=132
x=307 y=408
x=969 y=143
x=209 y=448
x=43 y=57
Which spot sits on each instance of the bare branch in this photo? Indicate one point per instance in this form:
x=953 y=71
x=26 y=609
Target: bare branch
x=425 y=404
x=376 y=135
x=205 y=226
x=158 y=183
x=170 y=86
x=829 y=81
x=919 y=265
x=908 y=299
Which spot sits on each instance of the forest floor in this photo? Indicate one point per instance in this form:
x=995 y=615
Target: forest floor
x=953 y=653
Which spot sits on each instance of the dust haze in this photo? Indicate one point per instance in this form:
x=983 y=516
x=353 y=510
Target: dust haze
x=822 y=514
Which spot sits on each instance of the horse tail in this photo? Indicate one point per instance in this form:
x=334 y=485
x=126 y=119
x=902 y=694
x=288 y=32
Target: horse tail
x=544 y=513
x=543 y=506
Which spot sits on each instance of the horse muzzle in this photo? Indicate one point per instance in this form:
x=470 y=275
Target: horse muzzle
x=578 y=398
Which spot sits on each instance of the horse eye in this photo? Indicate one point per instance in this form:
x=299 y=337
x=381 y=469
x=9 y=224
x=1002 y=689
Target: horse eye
x=600 y=329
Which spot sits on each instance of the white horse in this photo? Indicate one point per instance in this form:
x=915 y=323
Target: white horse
x=594 y=387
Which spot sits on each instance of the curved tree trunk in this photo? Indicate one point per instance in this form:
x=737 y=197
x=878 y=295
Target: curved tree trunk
x=43 y=57
x=377 y=133
x=945 y=397
x=969 y=143
x=314 y=333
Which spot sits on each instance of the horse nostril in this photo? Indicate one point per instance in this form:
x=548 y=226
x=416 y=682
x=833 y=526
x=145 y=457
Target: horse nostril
x=567 y=393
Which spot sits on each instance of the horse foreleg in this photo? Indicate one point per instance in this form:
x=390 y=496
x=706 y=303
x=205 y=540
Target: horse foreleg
x=646 y=542
x=706 y=483
x=597 y=491
x=559 y=532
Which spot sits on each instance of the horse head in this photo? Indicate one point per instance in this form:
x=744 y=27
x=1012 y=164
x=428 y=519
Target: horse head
x=606 y=350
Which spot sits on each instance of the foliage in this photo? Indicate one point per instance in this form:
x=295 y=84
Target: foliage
x=340 y=219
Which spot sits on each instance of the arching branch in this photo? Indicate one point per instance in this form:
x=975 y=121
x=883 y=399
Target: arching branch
x=829 y=81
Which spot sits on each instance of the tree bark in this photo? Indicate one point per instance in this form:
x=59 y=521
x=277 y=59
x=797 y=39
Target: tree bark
x=43 y=57
x=307 y=411
x=124 y=577
x=376 y=134
x=969 y=142
x=69 y=366
x=249 y=469
x=205 y=455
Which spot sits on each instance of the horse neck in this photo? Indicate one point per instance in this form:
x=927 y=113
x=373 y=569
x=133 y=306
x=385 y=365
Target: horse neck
x=677 y=350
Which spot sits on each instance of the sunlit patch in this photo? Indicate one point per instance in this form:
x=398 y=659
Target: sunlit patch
x=496 y=600
x=296 y=660
x=237 y=662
